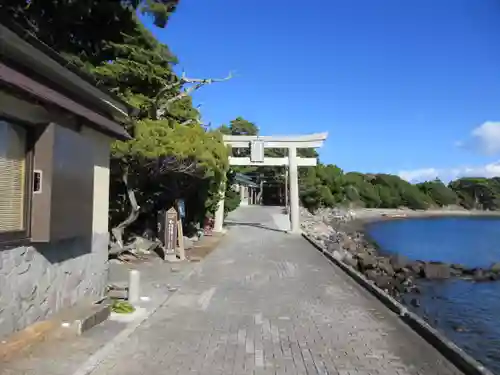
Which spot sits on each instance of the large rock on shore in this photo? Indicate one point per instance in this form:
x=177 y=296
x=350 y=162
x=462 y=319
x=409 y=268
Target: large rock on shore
x=386 y=267
x=350 y=246
x=398 y=262
x=346 y=244
x=351 y=261
x=436 y=271
x=335 y=230
x=479 y=274
x=366 y=261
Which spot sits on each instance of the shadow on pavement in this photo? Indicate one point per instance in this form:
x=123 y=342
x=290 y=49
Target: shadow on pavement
x=255 y=225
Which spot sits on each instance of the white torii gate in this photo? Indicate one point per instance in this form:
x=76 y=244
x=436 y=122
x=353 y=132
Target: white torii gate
x=257 y=144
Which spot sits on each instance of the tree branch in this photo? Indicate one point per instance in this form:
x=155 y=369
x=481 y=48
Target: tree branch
x=187 y=122
x=197 y=84
x=117 y=231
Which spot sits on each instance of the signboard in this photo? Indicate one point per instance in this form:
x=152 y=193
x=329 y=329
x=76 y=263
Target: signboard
x=168 y=231
x=257 y=151
x=181 y=208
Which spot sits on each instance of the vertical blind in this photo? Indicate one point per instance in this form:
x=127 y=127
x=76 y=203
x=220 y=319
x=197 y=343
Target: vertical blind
x=12 y=176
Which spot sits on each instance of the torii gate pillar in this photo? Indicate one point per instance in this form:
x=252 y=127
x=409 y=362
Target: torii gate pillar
x=219 y=214
x=293 y=175
x=257 y=145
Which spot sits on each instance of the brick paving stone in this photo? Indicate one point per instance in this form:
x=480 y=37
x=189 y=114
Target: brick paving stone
x=264 y=303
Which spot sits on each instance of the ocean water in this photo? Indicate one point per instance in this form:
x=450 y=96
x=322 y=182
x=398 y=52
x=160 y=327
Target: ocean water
x=467 y=312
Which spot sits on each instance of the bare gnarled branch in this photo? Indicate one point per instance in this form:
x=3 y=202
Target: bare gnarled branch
x=196 y=83
x=117 y=231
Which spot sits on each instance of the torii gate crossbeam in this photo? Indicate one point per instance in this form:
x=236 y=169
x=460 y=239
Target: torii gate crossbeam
x=257 y=144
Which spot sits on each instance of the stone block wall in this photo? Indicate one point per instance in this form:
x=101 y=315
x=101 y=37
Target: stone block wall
x=37 y=281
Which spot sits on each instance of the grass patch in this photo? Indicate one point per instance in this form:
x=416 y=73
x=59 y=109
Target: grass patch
x=122 y=307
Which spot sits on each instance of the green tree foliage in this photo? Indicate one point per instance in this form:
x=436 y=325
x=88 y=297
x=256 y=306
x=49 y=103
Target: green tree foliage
x=478 y=193
x=321 y=186
x=402 y=192
x=232 y=197
x=83 y=30
x=360 y=186
x=326 y=185
x=161 y=172
x=329 y=186
x=240 y=126
x=140 y=69
x=199 y=152
x=439 y=192
x=168 y=158
x=160 y=10
x=171 y=156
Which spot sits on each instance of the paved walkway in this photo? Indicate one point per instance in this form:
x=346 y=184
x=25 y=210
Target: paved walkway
x=267 y=303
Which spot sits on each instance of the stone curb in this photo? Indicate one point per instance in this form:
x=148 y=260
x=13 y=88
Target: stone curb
x=447 y=348
x=99 y=314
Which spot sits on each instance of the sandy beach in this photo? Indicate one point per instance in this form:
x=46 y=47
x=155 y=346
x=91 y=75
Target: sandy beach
x=371 y=214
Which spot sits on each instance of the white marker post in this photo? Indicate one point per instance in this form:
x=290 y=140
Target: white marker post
x=134 y=281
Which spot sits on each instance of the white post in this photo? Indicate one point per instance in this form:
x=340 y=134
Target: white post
x=181 y=252
x=134 y=280
x=294 y=191
x=242 y=195
x=219 y=214
x=286 y=190
x=261 y=191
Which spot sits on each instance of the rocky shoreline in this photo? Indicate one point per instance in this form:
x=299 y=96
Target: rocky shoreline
x=341 y=233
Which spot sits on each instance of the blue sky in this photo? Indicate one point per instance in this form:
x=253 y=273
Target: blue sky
x=401 y=86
